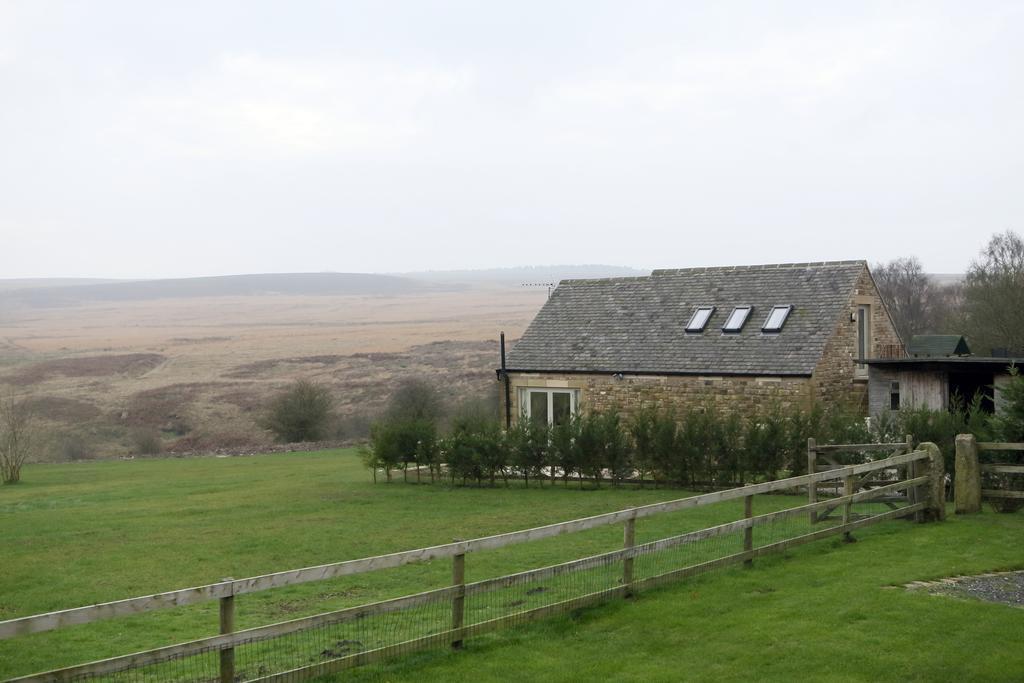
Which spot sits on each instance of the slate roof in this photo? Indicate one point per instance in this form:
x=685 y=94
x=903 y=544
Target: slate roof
x=636 y=324
x=932 y=345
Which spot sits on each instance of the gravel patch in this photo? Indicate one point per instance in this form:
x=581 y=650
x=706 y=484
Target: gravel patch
x=1005 y=587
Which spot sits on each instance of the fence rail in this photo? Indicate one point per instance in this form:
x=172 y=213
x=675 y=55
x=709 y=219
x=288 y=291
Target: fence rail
x=977 y=481
x=999 y=446
x=450 y=614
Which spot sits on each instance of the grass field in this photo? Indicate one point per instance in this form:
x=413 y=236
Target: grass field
x=82 y=533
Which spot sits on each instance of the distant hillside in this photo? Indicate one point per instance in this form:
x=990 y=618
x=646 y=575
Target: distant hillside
x=41 y=282
x=526 y=274
x=294 y=284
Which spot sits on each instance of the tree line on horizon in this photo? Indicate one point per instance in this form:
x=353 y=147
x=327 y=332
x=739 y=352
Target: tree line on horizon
x=987 y=306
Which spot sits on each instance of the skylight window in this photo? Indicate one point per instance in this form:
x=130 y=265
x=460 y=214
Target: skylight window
x=737 y=319
x=776 y=319
x=699 y=319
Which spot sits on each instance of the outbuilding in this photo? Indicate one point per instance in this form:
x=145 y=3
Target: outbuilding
x=938 y=373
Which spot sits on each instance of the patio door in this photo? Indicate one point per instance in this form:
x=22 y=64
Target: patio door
x=548 y=406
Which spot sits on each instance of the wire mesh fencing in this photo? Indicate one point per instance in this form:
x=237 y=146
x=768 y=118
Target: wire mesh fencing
x=751 y=521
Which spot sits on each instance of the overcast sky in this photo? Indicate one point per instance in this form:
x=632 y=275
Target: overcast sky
x=146 y=139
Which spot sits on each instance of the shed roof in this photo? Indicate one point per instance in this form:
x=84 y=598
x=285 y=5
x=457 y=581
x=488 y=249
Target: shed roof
x=636 y=324
x=937 y=345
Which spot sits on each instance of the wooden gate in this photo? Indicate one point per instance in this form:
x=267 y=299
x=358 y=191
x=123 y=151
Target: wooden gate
x=828 y=457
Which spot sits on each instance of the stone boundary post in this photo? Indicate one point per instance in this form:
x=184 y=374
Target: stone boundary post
x=967 y=488
x=935 y=489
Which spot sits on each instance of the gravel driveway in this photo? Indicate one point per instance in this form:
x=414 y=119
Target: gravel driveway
x=1005 y=587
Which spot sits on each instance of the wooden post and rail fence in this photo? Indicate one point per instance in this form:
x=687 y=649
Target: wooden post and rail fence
x=923 y=499
x=971 y=474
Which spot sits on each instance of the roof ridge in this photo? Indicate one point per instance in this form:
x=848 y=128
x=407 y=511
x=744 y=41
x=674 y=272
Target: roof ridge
x=604 y=280
x=764 y=266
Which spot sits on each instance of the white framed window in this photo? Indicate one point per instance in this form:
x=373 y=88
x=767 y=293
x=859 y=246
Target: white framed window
x=548 y=406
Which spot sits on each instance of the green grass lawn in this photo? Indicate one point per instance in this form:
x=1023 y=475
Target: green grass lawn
x=91 y=532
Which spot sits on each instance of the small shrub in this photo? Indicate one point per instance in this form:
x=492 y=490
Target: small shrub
x=698 y=440
x=177 y=426
x=565 y=452
x=477 y=447
x=146 y=442
x=641 y=433
x=73 y=448
x=396 y=443
x=415 y=399
x=527 y=443
x=615 y=451
x=590 y=447
x=352 y=426
x=731 y=460
x=301 y=412
x=665 y=445
x=767 y=443
x=1009 y=424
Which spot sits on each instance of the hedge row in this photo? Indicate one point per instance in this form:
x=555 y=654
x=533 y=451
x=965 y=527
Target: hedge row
x=701 y=447
x=697 y=448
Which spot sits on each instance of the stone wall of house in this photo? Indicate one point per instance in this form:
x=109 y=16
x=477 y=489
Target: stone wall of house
x=730 y=394
x=836 y=378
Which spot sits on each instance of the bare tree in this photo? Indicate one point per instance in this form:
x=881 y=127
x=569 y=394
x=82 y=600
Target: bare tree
x=415 y=399
x=994 y=295
x=17 y=437
x=914 y=300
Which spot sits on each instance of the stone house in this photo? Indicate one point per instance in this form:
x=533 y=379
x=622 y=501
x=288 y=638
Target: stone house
x=736 y=336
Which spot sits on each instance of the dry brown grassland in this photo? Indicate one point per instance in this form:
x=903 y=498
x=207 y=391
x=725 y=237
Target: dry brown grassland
x=199 y=371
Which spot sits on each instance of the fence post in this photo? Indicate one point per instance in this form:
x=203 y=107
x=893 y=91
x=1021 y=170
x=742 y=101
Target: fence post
x=967 y=486
x=812 y=488
x=935 y=489
x=847 y=507
x=748 y=533
x=912 y=472
x=227 y=625
x=459 y=599
x=628 y=541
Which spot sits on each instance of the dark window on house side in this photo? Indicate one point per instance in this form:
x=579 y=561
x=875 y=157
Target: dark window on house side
x=894 y=396
x=864 y=348
x=862 y=332
x=776 y=319
x=699 y=319
x=737 y=319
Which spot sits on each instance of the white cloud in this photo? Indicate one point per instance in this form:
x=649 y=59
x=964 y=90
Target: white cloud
x=254 y=106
